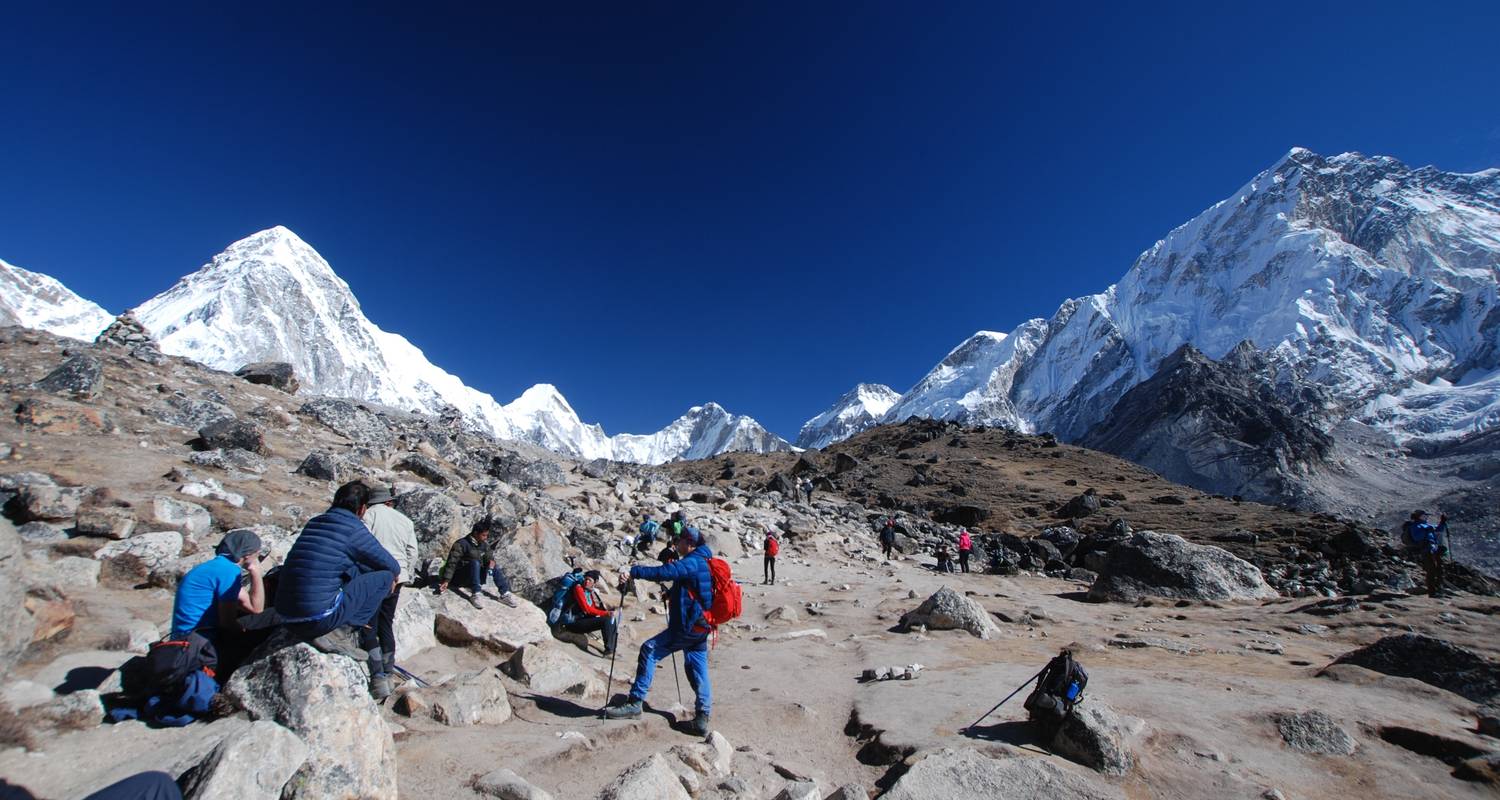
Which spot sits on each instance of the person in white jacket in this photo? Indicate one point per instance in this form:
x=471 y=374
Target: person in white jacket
x=398 y=536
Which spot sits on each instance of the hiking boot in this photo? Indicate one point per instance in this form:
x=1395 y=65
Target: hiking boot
x=699 y=725
x=472 y=597
x=509 y=598
x=340 y=642
x=380 y=687
x=629 y=709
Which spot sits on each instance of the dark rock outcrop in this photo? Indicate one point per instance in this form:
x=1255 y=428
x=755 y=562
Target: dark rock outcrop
x=1435 y=661
x=276 y=374
x=1150 y=564
x=81 y=376
x=232 y=434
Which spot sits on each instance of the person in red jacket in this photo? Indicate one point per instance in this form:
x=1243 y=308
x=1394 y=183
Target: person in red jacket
x=585 y=612
x=965 y=549
x=773 y=547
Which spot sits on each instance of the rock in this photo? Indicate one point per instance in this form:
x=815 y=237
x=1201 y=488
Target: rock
x=850 y=791
x=1083 y=505
x=425 y=468
x=232 y=434
x=651 y=779
x=1095 y=736
x=1150 y=564
x=19 y=695
x=1483 y=769
x=472 y=698
x=276 y=374
x=189 y=518
x=437 y=518
x=129 y=560
x=546 y=669
x=81 y=376
x=324 y=700
x=949 y=610
x=185 y=412
x=253 y=763
x=1488 y=719
x=127 y=333
x=74 y=572
x=325 y=467
x=75 y=710
x=63 y=419
x=968 y=516
x=1435 y=661
x=42 y=533
x=799 y=790
x=43 y=502
x=966 y=774
x=495 y=625
x=507 y=785
x=1314 y=732
x=108 y=522
x=52 y=614
x=533 y=558
x=843 y=462
x=415 y=624
x=354 y=422
x=210 y=489
x=782 y=614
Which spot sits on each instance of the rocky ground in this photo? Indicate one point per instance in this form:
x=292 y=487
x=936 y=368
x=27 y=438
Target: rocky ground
x=1235 y=650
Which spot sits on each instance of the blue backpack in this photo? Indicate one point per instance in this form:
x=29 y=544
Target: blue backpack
x=649 y=529
x=560 y=597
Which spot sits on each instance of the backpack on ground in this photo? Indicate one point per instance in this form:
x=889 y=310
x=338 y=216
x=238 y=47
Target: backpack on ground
x=560 y=597
x=773 y=547
x=1066 y=680
x=727 y=601
x=169 y=662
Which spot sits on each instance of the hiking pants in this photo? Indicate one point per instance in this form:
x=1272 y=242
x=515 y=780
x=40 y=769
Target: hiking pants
x=610 y=625
x=471 y=576
x=885 y=547
x=385 y=631
x=963 y=560
x=770 y=569
x=1432 y=564
x=694 y=663
x=144 y=786
x=360 y=603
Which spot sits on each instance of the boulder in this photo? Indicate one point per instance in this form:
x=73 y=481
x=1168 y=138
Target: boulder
x=472 y=698
x=437 y=518
x=38 y=501
x=966 y=774
x=42 y=533
x=105 y=521
x=63 y=418
x=424 y=468
x=651 y=779
x=211 y=489
x=968 y=516
x=532 y=556
x=325 y=467
x=850 y=791
x=81 y=376
x=232 y=434
x=1150 y=564
x=799 y=790
x=131 y=559
x=415 y=625
x=494 y=625
x=189 y=518
x=253 y=763
x=547 y=669
x=76 y=710
x=350 y=420
x=1096 y=737
x=276 y=374
x=949 y=610
x=1435 y=661
x=507 y=785
x=74 y=572
x=1083 y=505
x=185 y=412
x=1314 y=732
x=843 y=462
x=324 y=700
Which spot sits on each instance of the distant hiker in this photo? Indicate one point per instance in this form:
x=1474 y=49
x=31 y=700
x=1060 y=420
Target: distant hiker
x=888 y=538
x=335 y=578
x=773 y=547
x=807 y=488
x=1427 y=543
x=965 y=549
x=584 y=612
x=1059 y=687
x=212 y=595
x=688 y=599
x=471 y=559
x=649 y=529
x=944 y=558
x=395 y=532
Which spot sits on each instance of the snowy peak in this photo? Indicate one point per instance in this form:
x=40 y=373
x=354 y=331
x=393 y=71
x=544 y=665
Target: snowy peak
x=858 y=409
x=33 y=300
x=704 y=431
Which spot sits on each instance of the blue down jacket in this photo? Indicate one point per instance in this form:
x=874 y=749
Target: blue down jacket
x=689 y=573
x=334 y=548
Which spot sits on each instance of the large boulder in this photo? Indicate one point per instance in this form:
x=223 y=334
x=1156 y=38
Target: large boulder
x=325 y=701
x=81 y=376
x=967 y=774
x=472 y=698
x=42 y=501
x=1095 y=736
x=415 y=624
x=493 y=625
x=531 y=556
x=1150 y=564
x=546 y=669
x=253 y=763
x=437 y=518
x=106 y=521
x=129 y=560
x=276 y=374
x=189 y=518
x=350 y=420
x=325 y=467
x=1435 y=661
x=949 y=610
x=651 y=779
x=232 y=434
x=15 y=623
x=1314 y=732
x=507 y=785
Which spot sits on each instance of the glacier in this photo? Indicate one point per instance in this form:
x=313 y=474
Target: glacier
x=858 y=409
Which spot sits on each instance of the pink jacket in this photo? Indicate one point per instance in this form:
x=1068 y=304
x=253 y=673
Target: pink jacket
x=964 y=542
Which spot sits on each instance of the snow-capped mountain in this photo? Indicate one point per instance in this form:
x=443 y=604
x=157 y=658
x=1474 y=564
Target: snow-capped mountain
x=702 y=432
x=858 y=409
x=272 y=297
x=33 y=300
x=1372 y=280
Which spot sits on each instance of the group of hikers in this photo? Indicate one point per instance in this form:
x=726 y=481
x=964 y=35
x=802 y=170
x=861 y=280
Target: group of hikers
x=965 y=547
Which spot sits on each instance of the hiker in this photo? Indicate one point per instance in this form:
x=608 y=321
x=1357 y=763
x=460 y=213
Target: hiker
x=395 y=532
x=335 y=578
x=690 y=595
x=471 y=558
x=1427 y=544
x=965 y=548
x=944 y=558
x=1059 y=687
x=648 y=533
x=888 y=538
x=807 y=488
x=584 y=612
x=212 y=595
x=773 y=547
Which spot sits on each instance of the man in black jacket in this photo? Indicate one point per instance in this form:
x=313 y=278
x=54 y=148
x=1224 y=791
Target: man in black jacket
x=471 y=559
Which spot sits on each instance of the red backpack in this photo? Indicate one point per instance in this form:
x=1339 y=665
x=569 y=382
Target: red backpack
x=773 y=546
x=727 y=602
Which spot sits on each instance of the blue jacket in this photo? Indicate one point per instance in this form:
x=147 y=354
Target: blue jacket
x=687 y=574
x=1427 y=536
x=334 y=548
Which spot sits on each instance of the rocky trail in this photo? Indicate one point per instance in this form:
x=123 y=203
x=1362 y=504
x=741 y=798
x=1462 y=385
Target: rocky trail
x=1216 y=669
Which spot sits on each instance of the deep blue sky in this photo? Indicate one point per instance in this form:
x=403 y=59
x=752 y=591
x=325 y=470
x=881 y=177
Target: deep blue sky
x=655 y=205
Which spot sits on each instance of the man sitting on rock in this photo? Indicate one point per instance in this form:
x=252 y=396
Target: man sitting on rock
x=335 y=578
x=471 y=559
x=395 y=532
x=213 y=594
x=584 y=612
x=647 y=537
x=691 y=593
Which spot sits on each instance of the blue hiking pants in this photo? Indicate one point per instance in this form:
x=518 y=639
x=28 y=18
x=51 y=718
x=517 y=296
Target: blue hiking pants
x=694 y=663
x=471 y=576
x=145 y=786
x=357 y=608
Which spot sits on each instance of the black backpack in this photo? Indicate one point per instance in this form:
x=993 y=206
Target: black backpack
x=170 y=661
x=1064 y=679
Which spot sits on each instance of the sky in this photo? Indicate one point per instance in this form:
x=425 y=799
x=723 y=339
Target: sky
x=655 y=205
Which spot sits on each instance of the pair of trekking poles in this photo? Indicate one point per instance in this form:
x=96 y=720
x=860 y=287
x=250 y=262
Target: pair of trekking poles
x=609 y=687
x=1007 y=697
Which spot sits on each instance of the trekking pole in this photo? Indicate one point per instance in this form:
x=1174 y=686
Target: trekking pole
x=677 y=678
x=1007 y=697
x=409 y=676
x=609 y=688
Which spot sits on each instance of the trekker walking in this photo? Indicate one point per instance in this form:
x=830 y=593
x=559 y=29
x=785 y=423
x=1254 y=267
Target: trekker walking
x=807 y=488
x=690 y=595
x=965 y=548
x=888 y=538
x=472 y=558
x=585 y=613
x=211 y=597
x=773 y=547
x=647 y=538
x=395 y=532
x=335 y=578
x=1427 y=543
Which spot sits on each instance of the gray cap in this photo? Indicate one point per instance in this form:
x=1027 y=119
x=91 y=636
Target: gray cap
x=238 y=544
x=381 y=494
